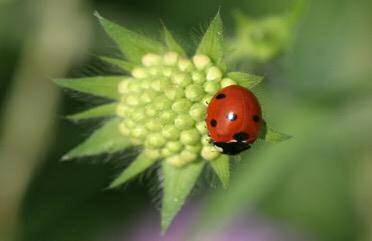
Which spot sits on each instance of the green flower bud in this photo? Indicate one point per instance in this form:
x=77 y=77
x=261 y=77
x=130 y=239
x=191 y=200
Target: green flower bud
x=167 y=117
x=194 y=92
x=153 y=125
x=198 y=77
x=210 y=153
x=132 y=100
x=134 y=86
x=181 y=79
x=170 y=132
x=154 y=71
x=214 y=74
x=184 y=65
x=174 y=146
x=138 y=115
x=197 y=111
x=206 y=100
x=123 y=86
x=176 y=161
x=151 y=60
x=206 y=140
x=181 y=106
x=147 y=96
x=138 y=132
x=162 y=103
x=201 y=61
x=155 y=140
x=211 y=87
x=156 y=85
x=139 y=73
x=167 y=71
x=165 y=152
x=227 y=82
x=194 y=149
x=187 y=156
x=183 y=122
x=121 y=110
x=170 y=58
x=190 y=137
x=124 y=129
x=174 y=93
x=150 y=111
x=202 y=127
x=129 y=123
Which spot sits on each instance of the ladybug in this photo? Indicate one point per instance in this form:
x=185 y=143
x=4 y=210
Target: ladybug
x=234 y=119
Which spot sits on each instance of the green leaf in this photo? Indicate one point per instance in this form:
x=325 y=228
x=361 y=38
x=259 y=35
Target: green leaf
x=121 y=64
x=244 y=79
x=106 y=139
x=221 y=167
x=212 y=41
x=138 y=166
x=96 y=112
x=103 y=86
x=272 y=136
x=171 y=42
x=178 y=183
x=133 y=45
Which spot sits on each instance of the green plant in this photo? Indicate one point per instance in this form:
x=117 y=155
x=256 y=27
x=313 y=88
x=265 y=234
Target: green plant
x=160 y=106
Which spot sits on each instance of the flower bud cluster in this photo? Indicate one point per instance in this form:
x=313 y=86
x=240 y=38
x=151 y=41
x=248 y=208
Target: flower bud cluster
x=163 y=106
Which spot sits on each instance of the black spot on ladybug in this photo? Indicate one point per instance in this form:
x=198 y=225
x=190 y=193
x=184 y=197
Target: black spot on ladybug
x=232 y=116
x=213 y=123
x=241 y=136
x=256 y=118
x=220 y=96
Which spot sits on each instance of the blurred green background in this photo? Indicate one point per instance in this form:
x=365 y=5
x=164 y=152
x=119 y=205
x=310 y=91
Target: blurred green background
x=319 y=91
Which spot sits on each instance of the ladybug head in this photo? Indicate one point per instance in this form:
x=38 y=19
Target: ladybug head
x=232 y=148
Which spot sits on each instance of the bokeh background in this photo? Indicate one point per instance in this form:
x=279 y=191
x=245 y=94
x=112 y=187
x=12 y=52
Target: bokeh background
x=316 y=186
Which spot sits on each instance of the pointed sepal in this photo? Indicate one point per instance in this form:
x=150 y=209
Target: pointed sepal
x=102 y=86
x=133 y=45
x=139 y=165
x=244 y=79
x=221 y=166
x=272 y=136
x=119 y=63
x=106 y=139
x=172 y=43
x=177 y=185
x=106 y=110
x=212 y=41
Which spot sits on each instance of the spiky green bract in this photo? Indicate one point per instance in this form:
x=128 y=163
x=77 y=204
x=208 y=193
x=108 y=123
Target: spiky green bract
x=244 y=79
x=106 y=110
x=212 y=41
x=171 y=42
x=106 y=139
x=133 y=45
x=272 y=136
x=139 y=165
x=102 y=86
x=177 y=185
x=221 y=167
x=119 y=63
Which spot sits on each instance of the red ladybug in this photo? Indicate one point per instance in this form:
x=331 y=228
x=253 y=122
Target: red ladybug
x=234 y=119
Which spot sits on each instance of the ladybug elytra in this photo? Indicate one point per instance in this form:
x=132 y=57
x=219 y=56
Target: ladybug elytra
x=234 y=119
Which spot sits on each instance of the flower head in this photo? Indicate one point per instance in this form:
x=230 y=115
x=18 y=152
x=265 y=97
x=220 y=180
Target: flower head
x=160 y=106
